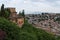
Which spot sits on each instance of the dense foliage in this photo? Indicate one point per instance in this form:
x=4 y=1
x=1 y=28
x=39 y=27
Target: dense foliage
x=10 y=29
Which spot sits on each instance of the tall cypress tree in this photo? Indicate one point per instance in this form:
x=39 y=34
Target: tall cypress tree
x=2 y=10
x=4 y=13
x=23 y=13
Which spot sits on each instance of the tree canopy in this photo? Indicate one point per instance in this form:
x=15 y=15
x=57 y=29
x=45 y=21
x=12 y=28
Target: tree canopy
x=4 y=13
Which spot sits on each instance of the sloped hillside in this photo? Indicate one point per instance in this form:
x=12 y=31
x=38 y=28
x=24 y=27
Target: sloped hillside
x=31 y=33
x=10 y=31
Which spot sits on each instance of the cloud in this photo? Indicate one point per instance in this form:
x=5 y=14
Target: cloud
x=38 y=0
x=33 y=5
x=42 y=6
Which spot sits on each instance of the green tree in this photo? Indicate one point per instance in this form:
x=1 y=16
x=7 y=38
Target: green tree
x=2 y=11
x=23 y=13
x=7 y=14
x=20 y=14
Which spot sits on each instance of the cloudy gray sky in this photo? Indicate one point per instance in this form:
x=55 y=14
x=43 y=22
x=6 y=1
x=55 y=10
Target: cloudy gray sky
x=33 y=5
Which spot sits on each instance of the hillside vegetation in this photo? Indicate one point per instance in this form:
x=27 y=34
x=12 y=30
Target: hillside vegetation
x=34 y=33
x=10 y=31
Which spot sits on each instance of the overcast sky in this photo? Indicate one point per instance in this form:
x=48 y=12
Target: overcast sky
x=33 y=5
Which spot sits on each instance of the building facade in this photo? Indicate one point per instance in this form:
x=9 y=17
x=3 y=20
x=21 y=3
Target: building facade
x=14 y=17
